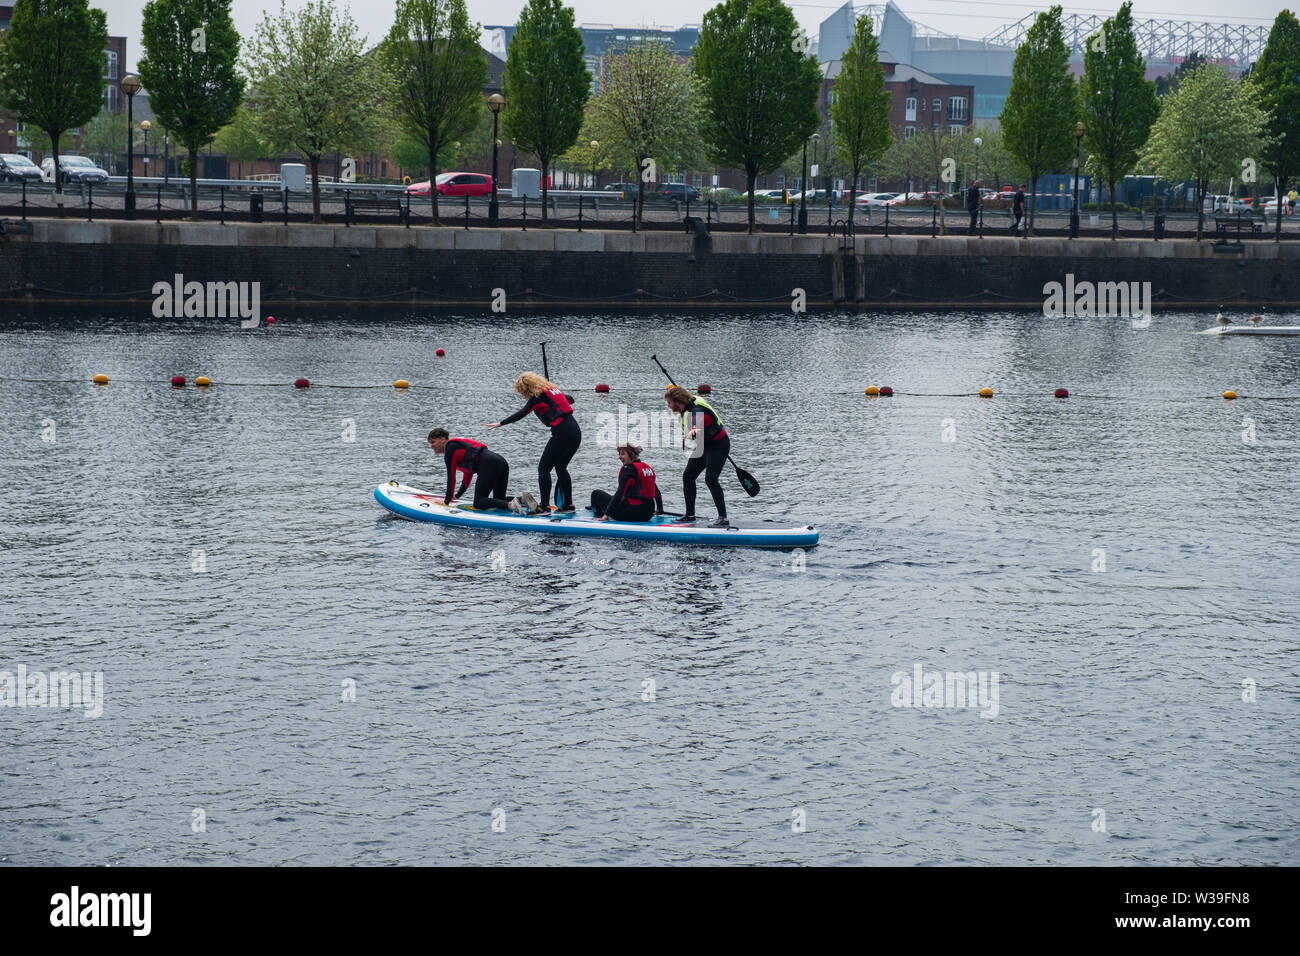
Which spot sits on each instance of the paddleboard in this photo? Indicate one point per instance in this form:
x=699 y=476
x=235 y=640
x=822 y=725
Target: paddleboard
x=1254 y=330
x=423 y=506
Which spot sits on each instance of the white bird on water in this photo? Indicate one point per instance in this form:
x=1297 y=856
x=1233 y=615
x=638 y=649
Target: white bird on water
x=1223 y=320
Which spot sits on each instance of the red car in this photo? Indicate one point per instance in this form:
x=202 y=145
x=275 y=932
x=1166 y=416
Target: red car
x=455 y=184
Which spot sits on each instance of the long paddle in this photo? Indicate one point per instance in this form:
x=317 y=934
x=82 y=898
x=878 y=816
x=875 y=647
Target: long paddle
x=747 y=481
x=546 y=372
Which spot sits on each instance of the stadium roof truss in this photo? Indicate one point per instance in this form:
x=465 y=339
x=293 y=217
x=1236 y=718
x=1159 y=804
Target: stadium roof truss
x=1227 y=43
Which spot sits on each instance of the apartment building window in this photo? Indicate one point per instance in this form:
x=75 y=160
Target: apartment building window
x=698 y=180
x=909 y=108
x=938 y=104
x=957 y=108
x=110 y=64
x=909 y=132
x=956 y=130
x=112 y=98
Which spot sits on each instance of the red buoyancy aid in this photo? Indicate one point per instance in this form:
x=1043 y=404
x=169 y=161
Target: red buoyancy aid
x=555 y=406
x=465 y=460
x=643 y=486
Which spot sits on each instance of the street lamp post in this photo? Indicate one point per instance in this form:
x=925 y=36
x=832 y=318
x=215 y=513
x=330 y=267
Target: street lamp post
x=978 y=143
x=595 y=145
x=496 y=102
x=1079 y=130
x=803 y=192
x=145 y=126
x=167 y=162
x=817 y=138
x=130 y=86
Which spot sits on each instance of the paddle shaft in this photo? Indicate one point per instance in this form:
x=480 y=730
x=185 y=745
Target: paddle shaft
x=546 y=372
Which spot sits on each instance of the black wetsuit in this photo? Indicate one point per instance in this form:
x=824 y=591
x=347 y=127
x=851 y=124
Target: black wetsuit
x=621 y=506
x=473 y=458
x=566 y=436
x=716 y=448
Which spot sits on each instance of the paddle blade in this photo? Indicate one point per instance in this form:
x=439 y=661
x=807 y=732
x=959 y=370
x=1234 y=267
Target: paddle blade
x=747 y=481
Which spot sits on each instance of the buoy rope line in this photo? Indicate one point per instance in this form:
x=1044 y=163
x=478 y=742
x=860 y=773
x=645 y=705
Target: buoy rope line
x=408 y=385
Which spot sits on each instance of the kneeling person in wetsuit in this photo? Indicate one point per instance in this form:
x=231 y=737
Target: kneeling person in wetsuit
x=638 y=497
x=471 y=457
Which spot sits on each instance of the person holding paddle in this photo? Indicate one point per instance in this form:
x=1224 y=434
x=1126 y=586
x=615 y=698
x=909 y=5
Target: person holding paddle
x=700 y=421
x=555 y=410
x=638 y=497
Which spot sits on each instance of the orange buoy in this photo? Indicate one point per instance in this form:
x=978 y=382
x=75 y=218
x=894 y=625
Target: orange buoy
x=602 y=387
x=100 y=379
x=1229 y=394
x=871 y=390
x=401 y=383
x=202 y=381
x=1062 y=393
x=301 y=383
x=178 y=381
x=986 y=392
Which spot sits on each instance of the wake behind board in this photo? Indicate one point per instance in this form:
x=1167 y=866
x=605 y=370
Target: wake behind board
x=422 y=506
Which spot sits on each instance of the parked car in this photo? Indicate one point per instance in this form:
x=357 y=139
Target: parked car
x=765 y=195
x=880 y=199
x=682 y=192
x=629 y=190
x=1269 y=206
x=75 y=169
x=723 y=194
x=15 y=168
x=454 y=184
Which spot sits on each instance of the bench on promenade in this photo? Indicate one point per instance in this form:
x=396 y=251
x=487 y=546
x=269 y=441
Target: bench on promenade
x=1230 y=224
x=374 y=205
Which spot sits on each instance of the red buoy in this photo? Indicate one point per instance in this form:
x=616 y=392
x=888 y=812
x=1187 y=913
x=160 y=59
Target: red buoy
x=300 y=383
x=270 y=320
x=178 y=381
x=602 y=387
x=886 y=391
x=704 y=388
x=440 y=353
x=1062 y=393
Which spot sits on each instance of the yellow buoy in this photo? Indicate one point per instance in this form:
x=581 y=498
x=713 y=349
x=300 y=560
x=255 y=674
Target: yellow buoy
x=202 y=381
x=401 y=383
x=1229 y=394
x=872 y=390
x=100 y=379
x=986 y=392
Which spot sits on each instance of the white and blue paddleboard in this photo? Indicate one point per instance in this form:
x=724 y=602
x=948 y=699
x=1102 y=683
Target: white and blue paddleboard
x=422 y=506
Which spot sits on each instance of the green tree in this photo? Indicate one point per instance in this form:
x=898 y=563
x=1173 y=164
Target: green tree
x=547 y=84
x=433 y=53
x=1043 y=105
x=1168 y=83
x=52 y=68
x=760 y=87
x=1277 y=78
x=1207 y=126
x=315 y=90
x=238 y=139
x=860 y=112
x=1119 y=104
x=191 y=49
x=105 y=139
x=648 y=109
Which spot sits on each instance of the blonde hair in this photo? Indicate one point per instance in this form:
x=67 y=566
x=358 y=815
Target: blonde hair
x=678 y=394
x=633 y=451
x=530 y=385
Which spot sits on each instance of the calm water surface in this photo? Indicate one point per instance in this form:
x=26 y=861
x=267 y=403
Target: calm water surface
x=1124 y=560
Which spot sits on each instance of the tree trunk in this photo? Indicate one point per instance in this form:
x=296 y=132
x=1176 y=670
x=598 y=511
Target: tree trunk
x=194 y=185
x=1033 y=203
x=58 y=173
x=315 y=188
x=751 y=177
x=1114 y=214
x=1281 y=184
x=433 y=179
x=638 y=204
x=545 y=158
x=853 y=197
x=1201 y=190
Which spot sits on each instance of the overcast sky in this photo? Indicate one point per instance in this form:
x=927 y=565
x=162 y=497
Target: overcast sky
x=972 y=18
